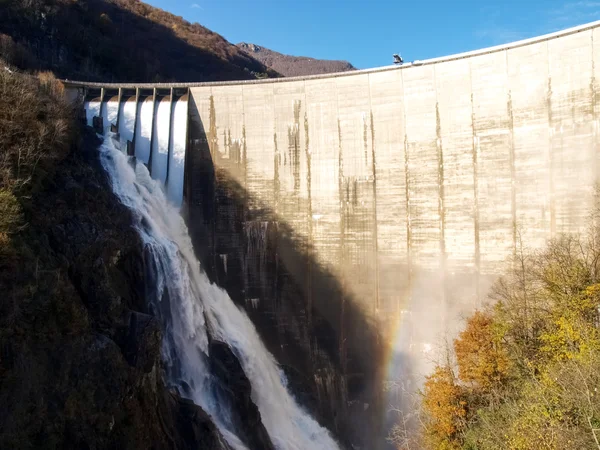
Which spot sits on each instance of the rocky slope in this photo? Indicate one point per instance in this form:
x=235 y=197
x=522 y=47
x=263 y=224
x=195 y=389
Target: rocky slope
x=80 y=353
x=291 y=66
x=117 y=40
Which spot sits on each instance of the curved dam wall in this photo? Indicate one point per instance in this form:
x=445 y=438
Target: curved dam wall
x=414 y=184
x=358 y=216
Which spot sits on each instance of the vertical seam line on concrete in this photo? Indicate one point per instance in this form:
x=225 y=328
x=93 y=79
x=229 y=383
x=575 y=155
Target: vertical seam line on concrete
x=407 y=194
x=551 y=145
x=213 y=150
x=276 y=194
x=475 y=191
x=310 y=243
x=441 y=190
x=513 y=188
x=342 y=210
x=594 y=118
x=244 y=147
x=374 y=169
x=276 y=189
x=342 y=337
x=246 y=195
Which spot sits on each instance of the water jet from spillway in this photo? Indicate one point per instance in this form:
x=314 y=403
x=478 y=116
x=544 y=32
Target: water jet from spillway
x=193 y=311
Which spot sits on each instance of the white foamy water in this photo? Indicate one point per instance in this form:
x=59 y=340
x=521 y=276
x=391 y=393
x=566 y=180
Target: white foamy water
x=110 y=111
x=126 y=122
x=92 y=109
x=177 y=153
x=143 y=131
x=160 y=143
x=188 y=306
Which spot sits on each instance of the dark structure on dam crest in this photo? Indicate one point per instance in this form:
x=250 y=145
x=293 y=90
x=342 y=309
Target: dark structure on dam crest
x=338 y=208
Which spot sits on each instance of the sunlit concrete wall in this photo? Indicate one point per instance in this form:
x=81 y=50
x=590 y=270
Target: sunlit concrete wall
x=413 y=184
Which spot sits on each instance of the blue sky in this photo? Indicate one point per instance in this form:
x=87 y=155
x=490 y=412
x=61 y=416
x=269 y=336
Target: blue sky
x=368 y=32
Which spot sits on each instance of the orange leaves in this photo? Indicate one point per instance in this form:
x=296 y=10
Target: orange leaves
x=481 y=359
x=528 y=367
x=445 y=407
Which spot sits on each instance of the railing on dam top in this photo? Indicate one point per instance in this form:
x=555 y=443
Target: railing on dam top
x=151 y=124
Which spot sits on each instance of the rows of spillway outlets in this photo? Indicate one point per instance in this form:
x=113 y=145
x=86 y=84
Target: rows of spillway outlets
x=148 y=124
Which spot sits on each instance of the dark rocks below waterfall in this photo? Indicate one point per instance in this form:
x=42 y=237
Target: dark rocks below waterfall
x=233 y=390
x=80 y=362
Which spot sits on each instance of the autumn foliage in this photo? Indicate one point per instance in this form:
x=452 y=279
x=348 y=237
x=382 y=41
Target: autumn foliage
x=525 y=372
x=446 y=405
x=482 y=361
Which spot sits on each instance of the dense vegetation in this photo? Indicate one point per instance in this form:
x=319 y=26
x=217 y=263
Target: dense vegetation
x=36 y=129
x=292 y=66
x=117 y=40
x=525 y=372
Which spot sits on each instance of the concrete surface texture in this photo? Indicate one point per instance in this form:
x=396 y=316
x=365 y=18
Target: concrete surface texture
x=420 y=181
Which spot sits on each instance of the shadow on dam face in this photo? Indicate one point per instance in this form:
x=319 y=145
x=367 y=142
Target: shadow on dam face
x=331 y=353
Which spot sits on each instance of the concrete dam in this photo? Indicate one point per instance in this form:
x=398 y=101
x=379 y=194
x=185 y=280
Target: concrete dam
x=357 y=216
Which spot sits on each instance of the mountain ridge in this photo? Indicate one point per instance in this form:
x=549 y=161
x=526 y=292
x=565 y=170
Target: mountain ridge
x=290 y=65
x=118 y=40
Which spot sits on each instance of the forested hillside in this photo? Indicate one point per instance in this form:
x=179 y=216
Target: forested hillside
x=117 y=40
x=525 y=372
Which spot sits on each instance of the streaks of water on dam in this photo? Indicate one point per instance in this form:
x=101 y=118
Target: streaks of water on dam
x=158 y=131
x=127 y=114
x=143 y=130
x=160 y=141
x=177 y=145
x=92 y=109
x=110 y=112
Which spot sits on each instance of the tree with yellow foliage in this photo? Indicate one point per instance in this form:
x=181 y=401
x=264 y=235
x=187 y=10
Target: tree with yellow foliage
x=527 y=370
x=446 y=409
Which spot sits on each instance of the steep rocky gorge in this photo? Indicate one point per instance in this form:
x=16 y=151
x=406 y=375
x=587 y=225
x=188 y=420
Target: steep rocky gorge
x=80 y=355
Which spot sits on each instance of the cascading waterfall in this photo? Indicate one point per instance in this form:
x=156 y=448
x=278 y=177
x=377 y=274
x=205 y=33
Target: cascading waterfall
x=143 y=130
x=92 y=109
x=177 y=153
x=110 y=111
x=160 y=142
x=192 y=311
x=127 y=121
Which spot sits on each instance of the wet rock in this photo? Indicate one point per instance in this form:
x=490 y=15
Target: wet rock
x=142 y=342
x=190 y=427
x=234 y=389
x=80 y=358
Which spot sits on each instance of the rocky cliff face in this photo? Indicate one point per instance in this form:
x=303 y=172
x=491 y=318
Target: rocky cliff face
x=80 y=360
